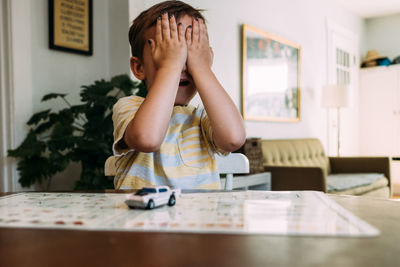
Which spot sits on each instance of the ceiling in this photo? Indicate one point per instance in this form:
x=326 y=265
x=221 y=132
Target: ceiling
x=371 y=8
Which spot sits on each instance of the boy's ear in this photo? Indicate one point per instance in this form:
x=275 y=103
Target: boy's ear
x=137 y=68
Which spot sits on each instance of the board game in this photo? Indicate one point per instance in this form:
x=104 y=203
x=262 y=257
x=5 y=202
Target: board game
x=307 y=213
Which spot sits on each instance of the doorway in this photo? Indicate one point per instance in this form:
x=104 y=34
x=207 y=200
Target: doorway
x=343 y=62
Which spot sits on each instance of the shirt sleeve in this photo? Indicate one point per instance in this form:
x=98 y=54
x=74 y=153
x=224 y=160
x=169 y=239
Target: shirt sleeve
x=207 y=132
x=123 y=112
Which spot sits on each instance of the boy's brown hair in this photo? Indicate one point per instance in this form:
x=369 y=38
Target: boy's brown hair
x=148 y=18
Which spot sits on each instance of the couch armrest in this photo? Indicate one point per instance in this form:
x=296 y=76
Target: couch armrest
x=297 y=178
x=361 y=165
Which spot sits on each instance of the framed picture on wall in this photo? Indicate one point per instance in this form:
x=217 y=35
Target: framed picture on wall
x=270 y=77
x=70 y=26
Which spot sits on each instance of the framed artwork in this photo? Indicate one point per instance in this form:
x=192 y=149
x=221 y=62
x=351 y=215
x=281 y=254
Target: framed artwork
x=270 y=77
x=70 y=26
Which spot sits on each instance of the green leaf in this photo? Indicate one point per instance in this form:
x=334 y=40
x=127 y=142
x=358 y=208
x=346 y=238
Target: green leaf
x=51 y=96
x=34 y=169
x=44 y=127
x=96 y=92
x=78 y=109
x=30 y=147
x=61 y=137
x=37 y=117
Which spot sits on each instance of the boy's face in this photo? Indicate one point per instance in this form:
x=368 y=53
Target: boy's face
x=187 y=89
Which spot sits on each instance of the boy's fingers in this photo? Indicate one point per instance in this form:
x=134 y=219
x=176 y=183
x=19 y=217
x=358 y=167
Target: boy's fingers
x=181 y=32
x=158 y=30
x=202 y=30
x=188 y=35
x=196 y=31
x=165 y=26
x=205 y=29
x=172 y=27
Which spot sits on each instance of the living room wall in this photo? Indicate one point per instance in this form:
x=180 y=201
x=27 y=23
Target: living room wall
x=63 y=72
x=382 y=34
x=303 y=22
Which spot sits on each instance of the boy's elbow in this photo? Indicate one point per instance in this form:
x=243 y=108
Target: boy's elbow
x=233 y=143
x=142 y=143
x=236 y=144
x=148 y=147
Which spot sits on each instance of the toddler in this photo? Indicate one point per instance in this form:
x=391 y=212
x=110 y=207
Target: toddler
x=160 y=139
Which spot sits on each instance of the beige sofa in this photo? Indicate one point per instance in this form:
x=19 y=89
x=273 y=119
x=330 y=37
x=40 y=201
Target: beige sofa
x=301 y=164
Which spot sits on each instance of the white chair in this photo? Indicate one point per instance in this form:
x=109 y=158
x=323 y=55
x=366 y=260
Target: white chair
x=233 y=163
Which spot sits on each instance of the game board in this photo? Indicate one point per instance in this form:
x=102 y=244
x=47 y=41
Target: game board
x=243 y=212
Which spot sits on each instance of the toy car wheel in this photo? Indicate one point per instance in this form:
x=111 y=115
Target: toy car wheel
x=151 y=204
x=172 y=200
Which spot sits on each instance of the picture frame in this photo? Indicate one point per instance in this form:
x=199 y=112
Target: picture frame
x=270 y=77
x=70 y=26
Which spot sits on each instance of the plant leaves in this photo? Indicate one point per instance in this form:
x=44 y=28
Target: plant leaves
x=32 y=170
x=52 y=95
x=37 y=117
x=30 y=147
x=79 y=133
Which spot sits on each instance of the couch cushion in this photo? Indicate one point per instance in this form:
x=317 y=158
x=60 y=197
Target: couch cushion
x=382 y=192
x=295 y=152
x=355 y=183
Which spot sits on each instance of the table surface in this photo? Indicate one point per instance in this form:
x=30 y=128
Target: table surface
x=49 y=247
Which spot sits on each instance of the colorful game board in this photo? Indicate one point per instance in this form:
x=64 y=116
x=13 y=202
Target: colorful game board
x=245 y=212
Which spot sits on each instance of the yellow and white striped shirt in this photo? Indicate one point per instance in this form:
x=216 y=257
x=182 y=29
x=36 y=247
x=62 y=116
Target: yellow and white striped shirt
x=185 y=159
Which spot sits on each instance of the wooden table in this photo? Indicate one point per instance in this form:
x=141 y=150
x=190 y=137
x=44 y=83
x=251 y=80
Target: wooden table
x=34 y=247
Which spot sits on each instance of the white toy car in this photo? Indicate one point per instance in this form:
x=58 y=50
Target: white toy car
x=152 y=196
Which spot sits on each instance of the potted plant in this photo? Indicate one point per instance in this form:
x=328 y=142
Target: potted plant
x=80 y=133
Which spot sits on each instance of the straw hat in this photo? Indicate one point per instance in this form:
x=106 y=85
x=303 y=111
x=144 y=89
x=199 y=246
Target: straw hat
x=372 y=58
x=372 y=55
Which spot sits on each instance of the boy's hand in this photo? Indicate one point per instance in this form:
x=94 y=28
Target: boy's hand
x=169 y=49
x=200 y=55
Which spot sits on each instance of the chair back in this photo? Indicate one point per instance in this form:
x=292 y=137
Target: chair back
x=233 y=163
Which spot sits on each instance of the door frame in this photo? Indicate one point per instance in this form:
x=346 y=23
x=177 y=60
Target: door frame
x=332 y=29
x=7 y=122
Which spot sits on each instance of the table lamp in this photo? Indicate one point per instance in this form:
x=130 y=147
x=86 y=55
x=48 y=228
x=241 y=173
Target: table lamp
x=336 y=96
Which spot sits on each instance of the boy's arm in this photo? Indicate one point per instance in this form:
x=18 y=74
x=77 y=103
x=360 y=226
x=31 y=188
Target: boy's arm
x=227 y=123
x=147 y=129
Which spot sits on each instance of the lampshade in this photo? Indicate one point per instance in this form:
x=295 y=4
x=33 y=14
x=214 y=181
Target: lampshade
x=334 y=96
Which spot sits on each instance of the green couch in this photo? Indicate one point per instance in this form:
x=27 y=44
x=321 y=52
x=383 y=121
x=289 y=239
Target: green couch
x=301 y=164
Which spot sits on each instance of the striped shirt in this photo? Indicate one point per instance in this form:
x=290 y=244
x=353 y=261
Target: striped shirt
x=185 y=159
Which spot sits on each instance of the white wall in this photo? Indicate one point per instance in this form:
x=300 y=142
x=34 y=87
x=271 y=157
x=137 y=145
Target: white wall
x=382 y=34
x=64 y=72
x=303 y=22
x=119 y=49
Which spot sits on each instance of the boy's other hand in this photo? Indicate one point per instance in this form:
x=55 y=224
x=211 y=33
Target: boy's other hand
x=169 y=48
x=200 y=54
